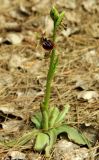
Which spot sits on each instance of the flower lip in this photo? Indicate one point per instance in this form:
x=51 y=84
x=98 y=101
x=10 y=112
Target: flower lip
x=47 y=44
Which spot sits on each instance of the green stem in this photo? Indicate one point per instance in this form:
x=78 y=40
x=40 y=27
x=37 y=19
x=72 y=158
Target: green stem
x=45 y=105
x=50 y=73
x=49 y=80
x=54 y=32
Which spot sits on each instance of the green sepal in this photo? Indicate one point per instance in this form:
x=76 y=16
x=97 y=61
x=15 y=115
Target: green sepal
x=53 y=137
x=73 y=134
x=41 y=141
x=37 y=119
x=59 y=20
x=62 y=114
x=54 y=14
x=53 y=117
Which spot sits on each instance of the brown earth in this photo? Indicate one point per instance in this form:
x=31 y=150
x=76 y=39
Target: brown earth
x=24 y=65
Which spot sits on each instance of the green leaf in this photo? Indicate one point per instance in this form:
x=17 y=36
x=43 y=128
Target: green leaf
x=62 y=114
x=26 y=137
x=59 y=20
x=73 y=134
x=37 y=119
x=21 y=140
x=3 y=144
x=53 y=137
x=42 y=140
x=7 y=144
x=50 y=110
x=54 y=14
x=53 y=117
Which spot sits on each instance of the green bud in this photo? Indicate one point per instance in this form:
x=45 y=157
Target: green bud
x=54 y=14
x=59 y=20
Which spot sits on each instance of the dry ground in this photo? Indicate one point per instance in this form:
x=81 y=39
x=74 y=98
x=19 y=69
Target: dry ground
x=24 y=64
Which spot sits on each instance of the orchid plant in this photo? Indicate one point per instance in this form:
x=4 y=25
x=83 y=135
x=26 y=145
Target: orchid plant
x=49 y=122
